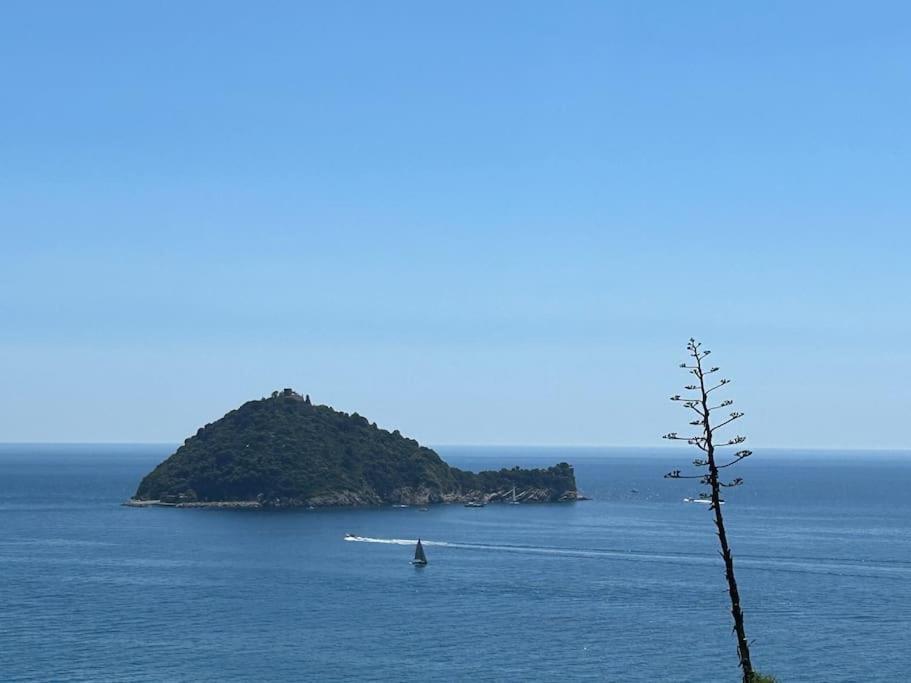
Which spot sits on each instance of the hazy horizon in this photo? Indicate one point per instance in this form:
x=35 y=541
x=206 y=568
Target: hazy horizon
x=498 y=448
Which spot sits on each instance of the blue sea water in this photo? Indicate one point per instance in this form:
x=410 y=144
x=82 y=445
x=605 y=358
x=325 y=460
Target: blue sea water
x=626 y=587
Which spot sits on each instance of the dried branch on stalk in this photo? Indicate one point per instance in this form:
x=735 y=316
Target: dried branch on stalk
x=697 y=401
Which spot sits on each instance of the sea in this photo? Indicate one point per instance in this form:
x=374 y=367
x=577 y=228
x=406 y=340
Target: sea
x=628 y=586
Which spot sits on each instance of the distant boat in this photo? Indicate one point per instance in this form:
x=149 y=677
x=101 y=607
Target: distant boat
x=703 y=501
x=420 y=559
x=399 y=505
x=474 y=504
x=514 y=501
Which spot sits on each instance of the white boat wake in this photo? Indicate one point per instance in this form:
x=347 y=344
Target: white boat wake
x=540 y=550
x=832 y=566
x=399 y=541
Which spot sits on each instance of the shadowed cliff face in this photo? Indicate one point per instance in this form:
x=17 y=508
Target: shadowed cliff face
x=283 y=451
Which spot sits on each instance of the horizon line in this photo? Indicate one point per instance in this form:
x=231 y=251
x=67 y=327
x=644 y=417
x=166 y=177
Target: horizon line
x=661 y=447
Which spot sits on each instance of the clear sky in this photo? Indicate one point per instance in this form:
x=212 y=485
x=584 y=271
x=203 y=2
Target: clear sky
x=479 y=222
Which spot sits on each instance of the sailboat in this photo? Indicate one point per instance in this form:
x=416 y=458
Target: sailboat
x=420 y=559
x=514 y=501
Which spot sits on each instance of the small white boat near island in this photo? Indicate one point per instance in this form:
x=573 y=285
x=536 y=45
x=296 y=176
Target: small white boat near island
x=702 y=501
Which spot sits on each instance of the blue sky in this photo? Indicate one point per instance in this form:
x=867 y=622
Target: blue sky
x=477 y=222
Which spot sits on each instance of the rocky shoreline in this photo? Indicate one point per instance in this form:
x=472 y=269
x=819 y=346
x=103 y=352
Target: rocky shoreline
x=419 y=497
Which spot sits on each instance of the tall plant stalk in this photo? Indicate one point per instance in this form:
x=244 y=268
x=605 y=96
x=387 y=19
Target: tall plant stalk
x=699 y=402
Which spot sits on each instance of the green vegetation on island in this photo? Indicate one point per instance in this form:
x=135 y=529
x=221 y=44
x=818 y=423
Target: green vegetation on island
x=283 y=451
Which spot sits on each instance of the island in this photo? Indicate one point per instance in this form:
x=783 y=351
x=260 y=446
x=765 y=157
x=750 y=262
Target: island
x=283 y=451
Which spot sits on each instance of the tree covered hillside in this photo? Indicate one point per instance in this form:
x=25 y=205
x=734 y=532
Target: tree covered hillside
x=285 y=451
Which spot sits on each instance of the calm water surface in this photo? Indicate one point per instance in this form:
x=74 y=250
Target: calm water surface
x=627 y=587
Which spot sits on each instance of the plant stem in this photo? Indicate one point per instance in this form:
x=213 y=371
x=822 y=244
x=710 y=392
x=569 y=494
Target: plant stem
x=743 y=647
